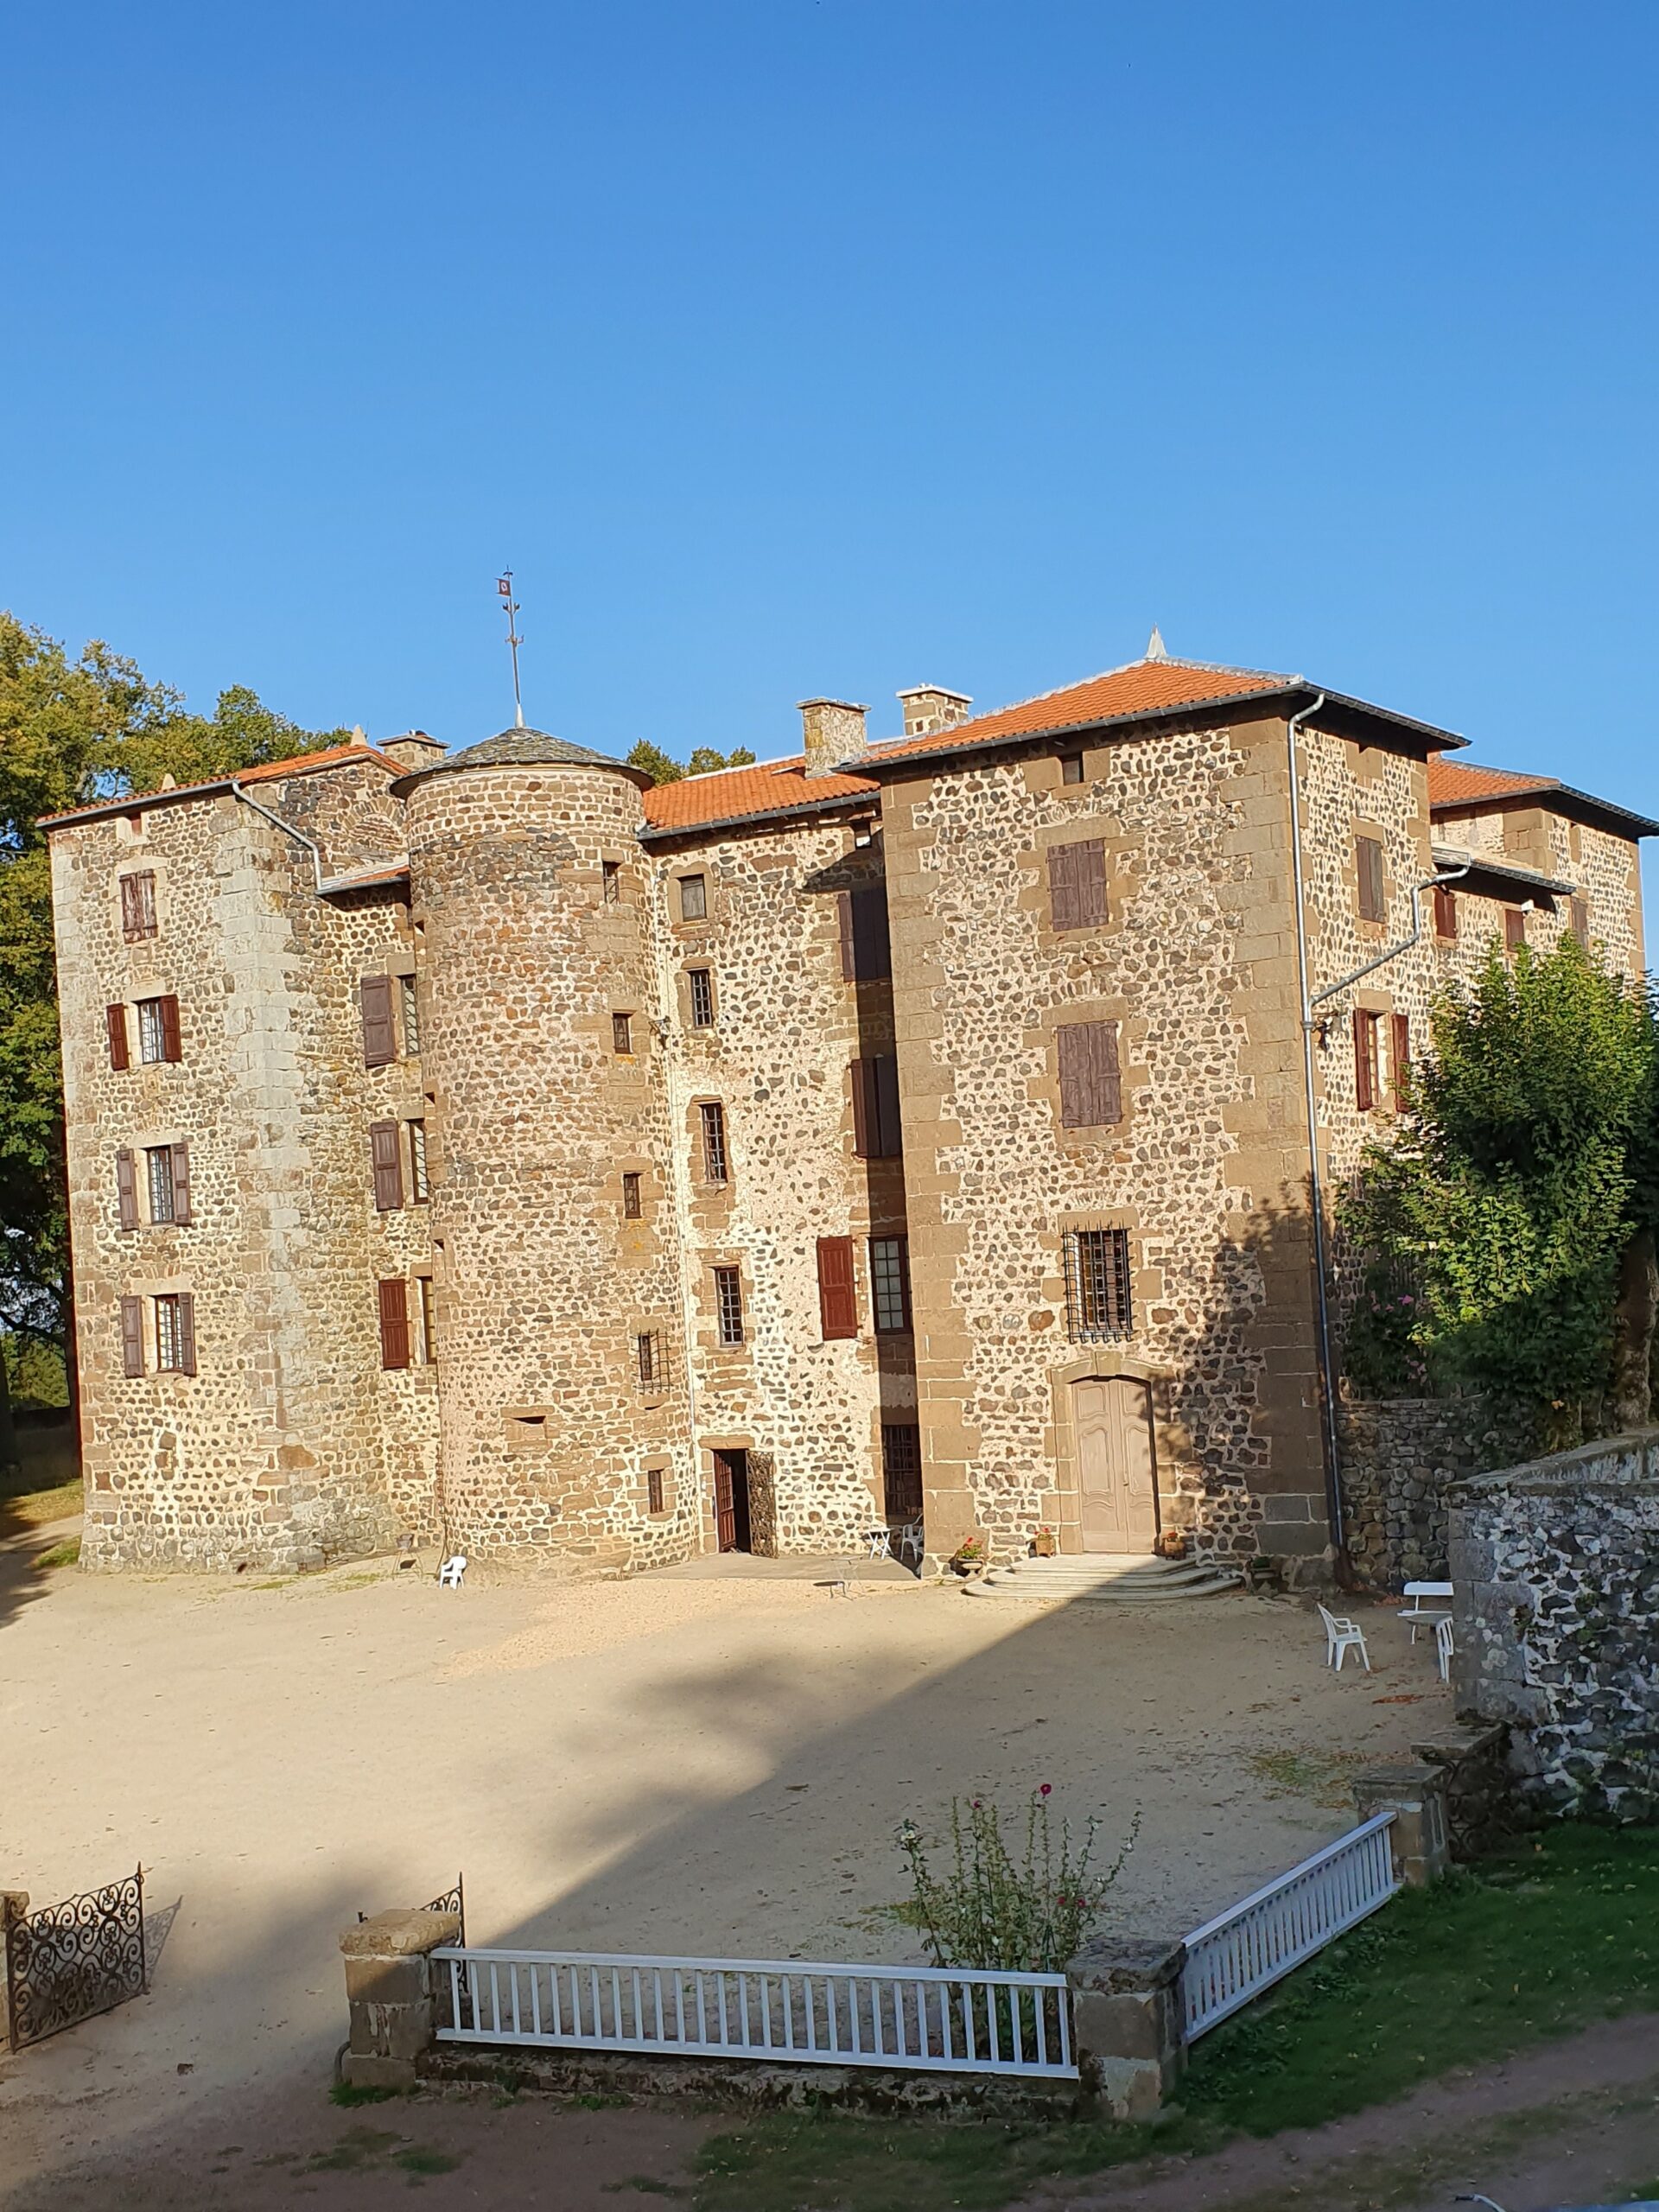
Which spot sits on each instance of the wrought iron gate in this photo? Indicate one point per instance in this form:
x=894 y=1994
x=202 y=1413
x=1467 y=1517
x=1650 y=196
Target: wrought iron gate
x=71 y=1960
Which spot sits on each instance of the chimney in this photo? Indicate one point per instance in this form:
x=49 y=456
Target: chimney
x=414 y=751
x=834 y=732
x=931 y=707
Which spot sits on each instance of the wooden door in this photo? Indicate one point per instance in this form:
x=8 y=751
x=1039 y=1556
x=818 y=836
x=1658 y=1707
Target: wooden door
x=731 y=1501
x=1116 y=1464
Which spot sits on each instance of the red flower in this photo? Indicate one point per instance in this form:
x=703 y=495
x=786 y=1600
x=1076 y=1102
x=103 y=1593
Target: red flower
x=1044 y=1791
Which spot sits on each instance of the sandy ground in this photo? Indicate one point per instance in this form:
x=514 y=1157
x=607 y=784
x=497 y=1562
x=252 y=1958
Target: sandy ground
x=672 y=1764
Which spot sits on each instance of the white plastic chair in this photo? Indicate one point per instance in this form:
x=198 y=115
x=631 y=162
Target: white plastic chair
x=909 y=1540
x=1419 y=1611
x=450 y=1572
x=1343 y=1635
x=1443 y=1646
x=879 y=1541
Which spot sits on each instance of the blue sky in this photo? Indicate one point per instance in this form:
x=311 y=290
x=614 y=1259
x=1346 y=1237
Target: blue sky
x=817 y=346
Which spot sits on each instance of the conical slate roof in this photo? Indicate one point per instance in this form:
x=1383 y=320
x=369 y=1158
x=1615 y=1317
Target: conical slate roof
x=523 y=748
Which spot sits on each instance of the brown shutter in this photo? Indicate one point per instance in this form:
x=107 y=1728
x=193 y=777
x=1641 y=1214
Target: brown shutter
x=126 y=1188
x=1364 y=1059
x=379 y=1040
x=394 y=1323
x=1372 y=904
x=1062 y=886
x=1090 y=1086
x=187 y=1333
x=1515 y=929
x=172 y=1046
x=1399 y=1055
x=889 y=1136
x=1578 y=909
x=1076 y=884
x=861 y=1110
x=133 y=1336
x=388 y=1167
x=182 y=1185
x=1446 y=913
x=871 y=948
x=1109 y=1086
x=844 y=922
x=138 y=905
x=115 y=1022
x=837 y=1294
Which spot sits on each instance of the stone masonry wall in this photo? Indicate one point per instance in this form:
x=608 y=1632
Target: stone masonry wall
x=1556 y=1565
x=1400 y=1458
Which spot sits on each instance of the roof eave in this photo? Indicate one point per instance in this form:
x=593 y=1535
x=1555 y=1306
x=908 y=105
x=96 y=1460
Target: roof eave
x=1547 y=794
x=302 y=765
x=659 y=833
x=1501 y=870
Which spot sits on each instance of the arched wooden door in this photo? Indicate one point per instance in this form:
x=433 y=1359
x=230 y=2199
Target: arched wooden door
x=1117 y=1465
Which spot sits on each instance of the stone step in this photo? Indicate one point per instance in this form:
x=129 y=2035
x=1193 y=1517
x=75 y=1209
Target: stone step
x=1104 y=1577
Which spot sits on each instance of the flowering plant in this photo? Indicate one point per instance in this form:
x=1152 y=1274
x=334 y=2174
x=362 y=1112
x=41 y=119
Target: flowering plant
x=969 y=1552
x=988 y=1909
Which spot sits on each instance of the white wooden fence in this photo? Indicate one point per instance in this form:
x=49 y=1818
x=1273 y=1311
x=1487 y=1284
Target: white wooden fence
x=1252 y=1944
x=953 y=2020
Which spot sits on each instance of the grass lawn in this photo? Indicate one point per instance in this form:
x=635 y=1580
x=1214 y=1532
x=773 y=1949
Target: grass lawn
x=46 y=1485
x=1558 y=1932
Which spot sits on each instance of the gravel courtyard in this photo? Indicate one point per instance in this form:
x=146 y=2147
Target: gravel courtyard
x=668 y=1764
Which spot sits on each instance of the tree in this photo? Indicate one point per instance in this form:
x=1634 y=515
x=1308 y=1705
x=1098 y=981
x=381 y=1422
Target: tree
x=1517 y=1197
x=73 y=731
x=663 y=768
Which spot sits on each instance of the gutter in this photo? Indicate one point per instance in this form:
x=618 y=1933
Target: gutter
x=325 y=885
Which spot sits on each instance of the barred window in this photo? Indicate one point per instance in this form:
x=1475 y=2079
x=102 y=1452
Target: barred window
x=411 y=1015
x=714 y=1169
x=426 y=1320
x=612 y=872
x=175 y=1333
x=901 y=1470
x=701 y=986
x=622 y=1033
x=158 y=1029
x=1098 y=1297
x=890 y=1283
x=420 y=1188
x=159 y=1161
x=649 y=1360
x=729 y=1303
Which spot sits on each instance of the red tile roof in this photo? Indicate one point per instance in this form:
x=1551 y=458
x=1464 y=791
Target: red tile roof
x=1450 y=784
x=302 y=764
x=1144 y=687
x=734 y=794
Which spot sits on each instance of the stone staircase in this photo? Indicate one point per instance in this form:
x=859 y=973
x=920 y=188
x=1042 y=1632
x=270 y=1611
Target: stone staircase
x=1104 y=1577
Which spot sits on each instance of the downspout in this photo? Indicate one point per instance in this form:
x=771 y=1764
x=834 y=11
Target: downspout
x=276 y=822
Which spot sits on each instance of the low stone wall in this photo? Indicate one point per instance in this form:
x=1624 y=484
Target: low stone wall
x=1399 y=1456
x=1556 y=1621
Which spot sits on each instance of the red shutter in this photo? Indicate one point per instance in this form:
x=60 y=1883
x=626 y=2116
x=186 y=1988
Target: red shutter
x=837 y=1294
x=182 y=1185
x=115 y=1023
x=379 y=1039
x=126 y=1188
x=1446 y=913
x=133 y=1336
x=1364 y=1059
x=187 y=1333
x=844 y=922
x=861 y=1110
x=387 y=1166
x=172 y=1046
x=394 y=1323
x=1399 y=1055
x=889 y=1135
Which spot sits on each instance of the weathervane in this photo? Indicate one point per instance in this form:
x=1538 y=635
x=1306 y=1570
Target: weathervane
x=504 y=588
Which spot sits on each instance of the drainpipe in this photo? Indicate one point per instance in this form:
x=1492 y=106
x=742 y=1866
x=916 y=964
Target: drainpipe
x=276 y=821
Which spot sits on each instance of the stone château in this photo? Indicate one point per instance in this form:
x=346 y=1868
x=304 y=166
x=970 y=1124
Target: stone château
x=489 y=1147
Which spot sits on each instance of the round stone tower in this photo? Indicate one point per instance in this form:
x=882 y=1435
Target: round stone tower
x=558 y=1318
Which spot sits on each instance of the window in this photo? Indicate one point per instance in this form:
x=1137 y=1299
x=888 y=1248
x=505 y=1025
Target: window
x=694 y=897
x=866 y=948
x=126 y=1189
x=1098 y=1301
x=728 y=1305
x=1071 y=767
x=138 y=906
x=115 y=1026
x=379 y=1039
x=649 y=1360
x=420 y=1185
x=527 y=1431
x=175 y=1333
x=1515 y=929
x=713 y=1118
x=700 y=987
x=158 y=1029
x=1366 y=1079
x=394 y=1322
x=426 y=1319
x=622 y=1033
x=1579 y=922
x=656 y=1483
x=1091 y=1092
x=1368 y=855
x=901 y=1470
x=877 y=1132
x=631 y=1207
x=890 y=1283
x=411 y=1011
x=167 y=1170
x=611 y=873
x=1076 y=884
x=1446 y=912
x=386 y=1166
x=133 y=1336
x=1399 y=1057
x=837 y=1292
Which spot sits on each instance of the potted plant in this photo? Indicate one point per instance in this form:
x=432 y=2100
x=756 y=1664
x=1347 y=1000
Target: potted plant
x=969 y=1556
x=1044 y=1542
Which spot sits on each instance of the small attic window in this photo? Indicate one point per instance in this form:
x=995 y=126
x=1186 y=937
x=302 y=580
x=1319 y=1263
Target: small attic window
x=1071 y=767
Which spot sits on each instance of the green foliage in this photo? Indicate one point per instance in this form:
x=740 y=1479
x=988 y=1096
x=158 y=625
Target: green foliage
x=663 y=768
x=987 y=1909
x=1495 y=1219
x=71 y=731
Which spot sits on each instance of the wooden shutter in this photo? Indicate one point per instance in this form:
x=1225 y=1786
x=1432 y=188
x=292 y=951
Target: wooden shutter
x=871 y=948
x=388 y=1167
x=133 y=1336
x=1372 y=904
x=394 y=1323
x=114 y=1024
x=844 y=922
x=884 y=1084
x=187 y=1333
x=1515 y=929
x=379 y=1038
x=1399 y=1055
x=1091 y=1092
x=1364 y=1059
x=1076 y=884
x=837 y=1294
x=861 y=1110
x=1446 y=912
x=172 y=1046
x=126 y=1188
x=138 y=905
x=182 y=1185
x=1579 y=910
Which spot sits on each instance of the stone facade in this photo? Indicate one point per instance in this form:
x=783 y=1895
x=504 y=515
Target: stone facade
x=1400 y=1458
x=1556 y=1565
x=683 y=1061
